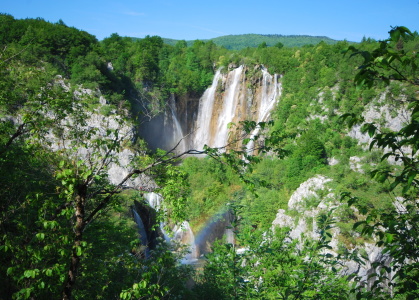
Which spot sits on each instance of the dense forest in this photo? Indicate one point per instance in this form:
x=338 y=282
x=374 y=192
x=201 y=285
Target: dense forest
x=70 y=109
x=241 y=41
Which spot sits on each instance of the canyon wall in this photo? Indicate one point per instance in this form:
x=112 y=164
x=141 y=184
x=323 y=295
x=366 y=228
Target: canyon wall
x=238 y=94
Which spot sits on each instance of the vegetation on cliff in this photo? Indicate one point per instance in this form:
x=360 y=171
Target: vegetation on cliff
x=66 y=230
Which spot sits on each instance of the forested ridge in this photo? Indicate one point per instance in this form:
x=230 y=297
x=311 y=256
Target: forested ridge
x=241 y=41
x=70 y=107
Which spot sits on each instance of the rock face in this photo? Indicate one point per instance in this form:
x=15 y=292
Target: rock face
x=384 y=116
x=355 y=163
x=307 y=204
x=146 y=219
x=96 y=126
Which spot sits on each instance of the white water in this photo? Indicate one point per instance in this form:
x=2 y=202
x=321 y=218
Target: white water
x=269 y=95
x=177 y=129
x=203 y=132
x=184 y=235
x=229 y=109
x=269 y=98
x=154 y=200
x=216 y=110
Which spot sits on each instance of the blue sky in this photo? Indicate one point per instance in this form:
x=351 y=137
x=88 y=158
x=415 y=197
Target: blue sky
x=195 y=19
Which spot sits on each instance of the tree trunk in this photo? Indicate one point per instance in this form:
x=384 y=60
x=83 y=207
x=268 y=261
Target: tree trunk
x=80 y=203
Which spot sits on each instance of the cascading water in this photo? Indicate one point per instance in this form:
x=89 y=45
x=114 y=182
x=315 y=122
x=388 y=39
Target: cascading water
x=202 y=134
x=178 y=137
x=229 y=109
x=234 y=96
x=154 y=200
x=163 y=131
x=229 y=99
x=184 y=235
x=213 y=116
x=271 y=91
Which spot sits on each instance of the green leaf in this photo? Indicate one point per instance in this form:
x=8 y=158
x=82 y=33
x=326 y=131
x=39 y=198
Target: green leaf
x=389 y=237
x=9 y=271
x=357 y=224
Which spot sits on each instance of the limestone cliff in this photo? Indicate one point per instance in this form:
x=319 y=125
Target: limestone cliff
x=241 y=93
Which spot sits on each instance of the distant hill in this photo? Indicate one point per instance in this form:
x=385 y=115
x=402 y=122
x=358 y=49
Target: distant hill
x=240 y=41
x=237 y=42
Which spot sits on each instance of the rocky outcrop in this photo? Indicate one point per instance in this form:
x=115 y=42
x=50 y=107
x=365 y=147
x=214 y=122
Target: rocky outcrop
x=94 y=127
x=307 y=203
x=383 y=115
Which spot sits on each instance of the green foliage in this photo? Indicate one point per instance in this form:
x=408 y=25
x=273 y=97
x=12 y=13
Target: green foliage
x=60 y=216
x=243 y=41
x=393 y=59
x=271 y=266
x=160 y=278
x=212 y=185
x=174 y=190
x=395 y=229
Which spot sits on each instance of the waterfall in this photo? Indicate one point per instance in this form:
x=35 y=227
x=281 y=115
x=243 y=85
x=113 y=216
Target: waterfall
x=234 y=96
x=229 y=109
x=229 y=99
x=203 y=132
x=142 y=232
x=154 y=200
x=183 y=234
x=213 y=118
x=177 y=129
x=271 y=90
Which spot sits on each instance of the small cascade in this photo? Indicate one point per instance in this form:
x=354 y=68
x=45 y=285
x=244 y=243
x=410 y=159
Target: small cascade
x=218 y=227
x=154 y=200
x=183 y=234
x=142 y=232
x=177 y=138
